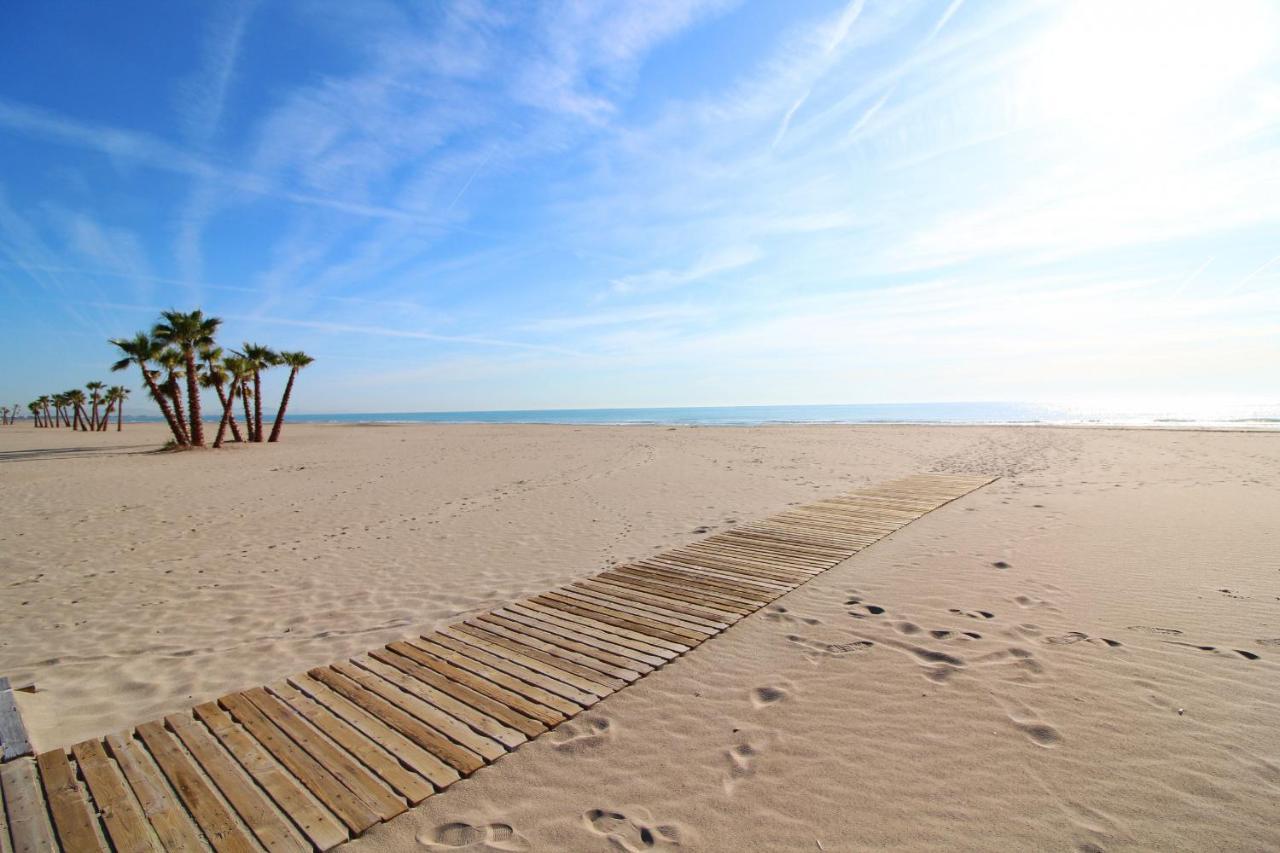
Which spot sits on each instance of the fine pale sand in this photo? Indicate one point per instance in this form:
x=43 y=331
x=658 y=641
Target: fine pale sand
x=1083 y=655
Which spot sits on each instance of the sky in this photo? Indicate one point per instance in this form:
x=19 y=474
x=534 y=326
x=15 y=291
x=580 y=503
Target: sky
x=470 y=205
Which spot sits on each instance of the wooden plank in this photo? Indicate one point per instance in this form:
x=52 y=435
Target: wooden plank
x=773 y=562
x=350 y=808
x=383 y=802
x=250 y=803
x=74 y=821
x=482 y=713
x=523 y=625
x=166 y=815
x=29 y=826
x=415 y=702
x=125 y=824
x=648 y=631
x=217 y=821
x=617 y=602
x=734 y=578
x=698 y=615
x=404 y=781
x=495 y=633
x=13 y=734
x=598 y=633
x=391 y=707
x=687 y=584
x=770 y=575
x=408 y=752
x=583 y=619
x=564 y=669
x=672 y=592
x=318 y=824
x=690 y=634
x=516 y=679
x=472 y=659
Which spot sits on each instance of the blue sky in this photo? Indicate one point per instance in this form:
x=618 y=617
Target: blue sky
x=520 y=205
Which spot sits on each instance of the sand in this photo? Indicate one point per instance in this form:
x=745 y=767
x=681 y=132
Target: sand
x=1084 y=655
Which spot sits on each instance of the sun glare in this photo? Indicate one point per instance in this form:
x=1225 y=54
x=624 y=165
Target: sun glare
x=1143 y=72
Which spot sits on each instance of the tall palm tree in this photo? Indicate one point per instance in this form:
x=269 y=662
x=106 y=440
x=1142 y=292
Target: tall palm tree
x=189 y=332
x=215 y=376
x=4 y=415
x=174 y=364
x=95 y=395
x=262 y=358
x=119 y=394
x=43 y=402
x=34 y=409
x=296 y=361
x=141 y=349
x=239 y=371
x=76 y=399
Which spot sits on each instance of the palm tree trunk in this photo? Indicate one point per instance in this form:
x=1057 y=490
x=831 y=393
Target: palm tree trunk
x=228 y=409
x=193 y=399
x=120 y=417
x=79 y=424
x=93 y=422
x=224 y=399
x=248 y=416
x=257 y=405
x=284 y=404
x=106 y=416
x=163 y=403
x=175 y=394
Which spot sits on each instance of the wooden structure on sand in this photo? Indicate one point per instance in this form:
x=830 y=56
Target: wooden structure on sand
x=315 y=759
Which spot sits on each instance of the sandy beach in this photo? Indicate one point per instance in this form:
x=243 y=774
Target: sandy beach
x=1083 y=655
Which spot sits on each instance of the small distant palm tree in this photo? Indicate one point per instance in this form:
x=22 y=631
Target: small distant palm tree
x=95 y=395
x=43 y=401
x=296 y=361
x=188 y=333
x=4 y=415
x=174 y=364
x=141 y=350
x=261 y=358
x=34 y=409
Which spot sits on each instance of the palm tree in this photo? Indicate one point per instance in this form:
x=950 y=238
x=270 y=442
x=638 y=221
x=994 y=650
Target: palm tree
x=95 y=395
x=76 y=399
x=173 y=363
x=215 y=376
x=34 y=409
x=296 y=361
x=4 y=415
x=118 y=394
x=141 y=349
x=261 y=358
x=239 y=370
x=189 y=332
x=43 y=402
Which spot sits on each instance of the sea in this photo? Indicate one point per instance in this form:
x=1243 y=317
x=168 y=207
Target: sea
x=1220 y=416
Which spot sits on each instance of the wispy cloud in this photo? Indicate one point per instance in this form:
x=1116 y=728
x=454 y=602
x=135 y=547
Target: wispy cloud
x=708 y=266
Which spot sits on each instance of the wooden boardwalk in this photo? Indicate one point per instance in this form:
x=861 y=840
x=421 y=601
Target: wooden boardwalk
x=313 y=760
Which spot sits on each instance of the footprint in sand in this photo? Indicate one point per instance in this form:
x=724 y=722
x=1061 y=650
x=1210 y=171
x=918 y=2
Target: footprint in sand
x=973 y=614
x=778 y=613
x=742 y=760
x=1072 y=637
x=582 y=733
x=461 y=836
x=1241 y=652
x=1270 y=641
x=632 y=833
x=762 y=697
x=1148 y=629
x=816 y=651
x=1039 y=732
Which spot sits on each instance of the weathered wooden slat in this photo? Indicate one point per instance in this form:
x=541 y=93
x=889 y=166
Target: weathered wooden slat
x=635 y=608
x=495 y=633
x=416 y=702
x=406 y=751
x=350 y=808
x=383 y=802
x=476 y=709
x=577 y=642
x=530 y=670
x=635 y=628
x=511 y=676
x=687 y=612
x=166 y=815
x=466 y=761
x=604 y=640
x=408 y=784
x=216 y=820
x=669 y=592
x=29 y=826
x=13 y=734
x=125 y=824
x=674 y=633
x=590 y=680
x=324 y=829
x=73 y=818
x=272 y=830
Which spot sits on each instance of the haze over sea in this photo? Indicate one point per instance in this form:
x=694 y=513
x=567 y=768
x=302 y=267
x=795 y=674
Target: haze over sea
x=1234 y=415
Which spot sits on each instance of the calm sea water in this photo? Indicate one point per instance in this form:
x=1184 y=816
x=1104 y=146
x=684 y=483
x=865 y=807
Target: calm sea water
x=1237 y=416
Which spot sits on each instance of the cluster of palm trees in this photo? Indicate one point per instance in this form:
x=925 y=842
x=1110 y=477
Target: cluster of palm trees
x=180 y=349
x=76 y=410
x=8 y=416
